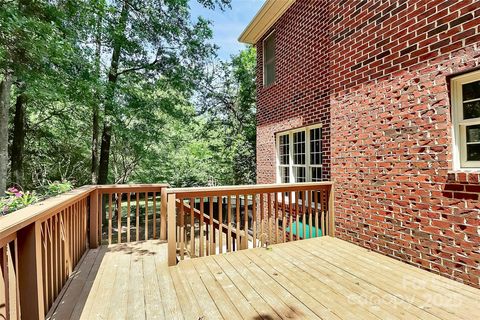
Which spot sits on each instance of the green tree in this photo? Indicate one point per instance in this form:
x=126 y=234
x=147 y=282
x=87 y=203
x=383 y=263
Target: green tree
x=156 y=41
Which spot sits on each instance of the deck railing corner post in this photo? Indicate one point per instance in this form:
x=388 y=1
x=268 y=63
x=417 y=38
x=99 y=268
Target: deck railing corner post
x=30 y=273
x=94 y=219
x=331 y=211
x=163 y=214
x=172 y=226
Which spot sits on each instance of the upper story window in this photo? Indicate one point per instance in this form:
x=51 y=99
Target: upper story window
x=299 y=155
x=269 y=60
x=466 y=120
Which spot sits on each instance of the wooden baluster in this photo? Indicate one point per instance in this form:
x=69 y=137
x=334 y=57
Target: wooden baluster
x=55 y=254
x=323 y=209
x=137 y=216
x=297 y=213
x=182 y=230
x=229 y=223
x=119 y=217
x=331 y=214
x=172 y=239
x=95 y=220
x=290 y=217
x=304 y=217
x=44 y=269
x=322 y=223
x=110 y=225
x=262 y=219
x=129 y=213
x=17 y=285
x=238 y=239
x=146 y=215
x=309 y=209
x=276 y=217
x=269 y=213
x=211 y=250
x=202 y=240
x=284 y=217
x=254 y=219
x=245 y=224
x=155 y=215
x=61 y=256
x=163 y=215
x=6 y=278
x=220 y=223
x=193 y=251
x=50 y=262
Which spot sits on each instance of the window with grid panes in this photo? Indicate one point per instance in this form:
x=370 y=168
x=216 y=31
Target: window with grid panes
x=299 y=155
x=466 y=120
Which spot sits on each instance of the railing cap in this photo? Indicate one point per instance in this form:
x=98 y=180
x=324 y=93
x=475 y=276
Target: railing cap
x=248 y=189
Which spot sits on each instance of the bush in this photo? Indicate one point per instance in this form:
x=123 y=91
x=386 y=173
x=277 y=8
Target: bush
x=16 y=199
x=57 y=187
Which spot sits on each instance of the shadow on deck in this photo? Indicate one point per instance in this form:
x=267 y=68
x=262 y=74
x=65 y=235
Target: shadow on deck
x=320 y=278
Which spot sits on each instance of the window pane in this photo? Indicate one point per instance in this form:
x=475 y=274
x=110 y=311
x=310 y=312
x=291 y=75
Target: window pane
x=269 y=59
x=473 y=133
x=315 y=146
x=299 y=147
x=473 y=152
x=316 y=174
x=269 y=73
x=300 y=174
x=471 y=110
x=471 y=91
x=284 y=149
x=270 y=47
x=285 y=174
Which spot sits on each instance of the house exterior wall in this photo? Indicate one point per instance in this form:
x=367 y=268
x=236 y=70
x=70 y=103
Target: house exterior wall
x=384 y=91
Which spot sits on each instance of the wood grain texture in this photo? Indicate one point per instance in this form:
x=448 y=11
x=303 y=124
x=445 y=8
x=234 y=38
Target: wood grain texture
x=319 y=278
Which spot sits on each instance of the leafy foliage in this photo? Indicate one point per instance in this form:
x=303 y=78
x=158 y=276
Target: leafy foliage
x=176 y=113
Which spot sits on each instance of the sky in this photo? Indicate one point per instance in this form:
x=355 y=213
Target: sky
x=228 y=25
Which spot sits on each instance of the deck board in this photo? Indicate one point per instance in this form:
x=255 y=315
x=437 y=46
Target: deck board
x=320 y=278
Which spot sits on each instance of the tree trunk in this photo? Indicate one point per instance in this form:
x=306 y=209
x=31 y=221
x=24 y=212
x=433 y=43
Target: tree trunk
x=109 y=97
x=96 y=108
x=5 y=89
x=18 y=144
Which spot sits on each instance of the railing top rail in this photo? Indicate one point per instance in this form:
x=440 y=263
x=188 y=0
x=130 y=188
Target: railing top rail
x=247 y=189
x=131 y=187
x=21 y=218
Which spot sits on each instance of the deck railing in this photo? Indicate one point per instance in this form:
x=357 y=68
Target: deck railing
x=207 y=221
x=132 y=213
x=41 y=245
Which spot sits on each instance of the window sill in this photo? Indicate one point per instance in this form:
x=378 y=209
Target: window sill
x=267 y=88
x=469 y=176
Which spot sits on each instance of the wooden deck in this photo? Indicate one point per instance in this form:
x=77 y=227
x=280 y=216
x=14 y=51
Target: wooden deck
x=321 y=278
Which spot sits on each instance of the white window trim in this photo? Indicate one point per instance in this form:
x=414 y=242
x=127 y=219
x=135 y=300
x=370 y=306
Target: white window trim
x=264 y=62
x=459 y=125
x=291 y=165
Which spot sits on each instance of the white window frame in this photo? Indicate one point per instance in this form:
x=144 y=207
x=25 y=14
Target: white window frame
x=264 y=62
x=459 y=125
x=291 y=165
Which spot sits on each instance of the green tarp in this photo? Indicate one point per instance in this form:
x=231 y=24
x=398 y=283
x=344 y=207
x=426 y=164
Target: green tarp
x=309 y=234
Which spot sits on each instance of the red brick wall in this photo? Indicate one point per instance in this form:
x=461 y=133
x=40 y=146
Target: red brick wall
x=391 y=147
x=299 y=96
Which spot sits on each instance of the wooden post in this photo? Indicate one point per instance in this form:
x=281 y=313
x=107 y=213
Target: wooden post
x=30 y=274
x=331 y=211
x=94 y=219
x=172 y=226
x=163 y=215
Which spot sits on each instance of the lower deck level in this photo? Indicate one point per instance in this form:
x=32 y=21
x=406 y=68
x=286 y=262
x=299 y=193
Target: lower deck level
x=319 y=278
